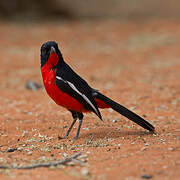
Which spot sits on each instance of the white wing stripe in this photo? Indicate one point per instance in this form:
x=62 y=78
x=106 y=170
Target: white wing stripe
x=60 y=78
x=75 y=89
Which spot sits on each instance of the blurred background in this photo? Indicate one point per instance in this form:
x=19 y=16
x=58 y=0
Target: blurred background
x=97 y=31
x=69 y=9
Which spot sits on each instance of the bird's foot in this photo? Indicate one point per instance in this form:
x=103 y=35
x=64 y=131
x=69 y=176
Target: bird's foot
x=76 y=137
x=65 y=137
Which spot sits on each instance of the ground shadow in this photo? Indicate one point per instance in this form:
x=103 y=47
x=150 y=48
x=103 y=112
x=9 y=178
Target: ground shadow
x=114 y=133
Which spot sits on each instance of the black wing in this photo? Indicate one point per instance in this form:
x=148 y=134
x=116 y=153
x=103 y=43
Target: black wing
x=72 y=84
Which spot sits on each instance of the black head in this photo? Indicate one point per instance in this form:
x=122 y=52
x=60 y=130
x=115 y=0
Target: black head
x=47 y=49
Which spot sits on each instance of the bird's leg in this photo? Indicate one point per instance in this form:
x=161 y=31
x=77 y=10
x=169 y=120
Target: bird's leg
x=80 y=116
x=75 y=116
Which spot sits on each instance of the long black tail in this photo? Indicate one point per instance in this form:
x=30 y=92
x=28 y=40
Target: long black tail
x=124 y=111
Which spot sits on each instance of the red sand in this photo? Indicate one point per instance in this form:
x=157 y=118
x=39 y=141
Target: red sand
x=134 y=63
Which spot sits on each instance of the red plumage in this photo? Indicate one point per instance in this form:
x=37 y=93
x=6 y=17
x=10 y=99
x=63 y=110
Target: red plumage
x=61 y=98
x=70 y=91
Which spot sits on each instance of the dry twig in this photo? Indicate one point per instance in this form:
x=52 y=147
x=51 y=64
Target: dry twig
x=61 y=162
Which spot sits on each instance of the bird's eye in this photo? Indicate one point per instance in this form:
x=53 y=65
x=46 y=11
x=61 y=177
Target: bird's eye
x=46 y=50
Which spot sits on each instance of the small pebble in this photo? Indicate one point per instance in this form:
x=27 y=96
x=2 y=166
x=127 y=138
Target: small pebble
x=65 y=155
x=29 y=153
x=19 y=148
x=132 y=108
x=11 y=149
x=170 y=149
x=84 y=171
x=146 y=176
x=147 y=144
x=143 y=148
x=86 y=129
x=32 y=85
x=114 y=120
x=162 y=140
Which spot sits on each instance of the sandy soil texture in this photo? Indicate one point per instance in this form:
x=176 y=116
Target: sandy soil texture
x=134 y=63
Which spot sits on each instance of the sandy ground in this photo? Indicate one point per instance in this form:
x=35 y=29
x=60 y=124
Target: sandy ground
x=134 y=63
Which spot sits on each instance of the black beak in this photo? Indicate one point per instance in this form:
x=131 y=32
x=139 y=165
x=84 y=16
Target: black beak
x=52 y=50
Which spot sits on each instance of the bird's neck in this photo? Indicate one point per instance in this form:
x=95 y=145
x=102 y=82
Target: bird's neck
x=48 y=68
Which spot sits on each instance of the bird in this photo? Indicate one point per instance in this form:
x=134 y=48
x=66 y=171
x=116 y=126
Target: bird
x=72 y=92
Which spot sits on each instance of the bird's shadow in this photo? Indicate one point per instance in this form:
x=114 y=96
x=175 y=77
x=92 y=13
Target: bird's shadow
x=113 y=133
